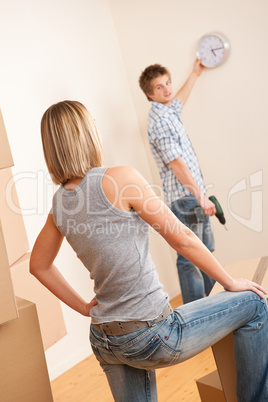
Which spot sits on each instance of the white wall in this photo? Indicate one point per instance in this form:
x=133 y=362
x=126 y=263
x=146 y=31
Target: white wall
x=226 y=115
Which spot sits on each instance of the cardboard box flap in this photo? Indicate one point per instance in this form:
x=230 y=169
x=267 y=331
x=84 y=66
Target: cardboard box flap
x=14 y=232
x=6 y=159
x=261 y=271
x=210 y=389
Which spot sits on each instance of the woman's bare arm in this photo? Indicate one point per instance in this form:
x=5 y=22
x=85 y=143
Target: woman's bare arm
x=136 y=193
x=43 y=255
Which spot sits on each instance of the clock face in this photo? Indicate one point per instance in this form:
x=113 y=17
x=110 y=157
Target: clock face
x=211 y=50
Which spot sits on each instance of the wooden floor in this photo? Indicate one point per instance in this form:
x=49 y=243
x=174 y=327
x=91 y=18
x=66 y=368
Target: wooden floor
x=87 y=383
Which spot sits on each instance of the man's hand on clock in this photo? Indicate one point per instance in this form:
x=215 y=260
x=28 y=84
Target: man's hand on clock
x=198 y=67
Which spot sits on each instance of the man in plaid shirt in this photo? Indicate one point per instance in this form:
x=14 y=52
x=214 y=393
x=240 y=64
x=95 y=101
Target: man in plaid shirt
x=179 y=169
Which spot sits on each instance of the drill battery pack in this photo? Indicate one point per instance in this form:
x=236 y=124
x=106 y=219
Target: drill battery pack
x=199 y=213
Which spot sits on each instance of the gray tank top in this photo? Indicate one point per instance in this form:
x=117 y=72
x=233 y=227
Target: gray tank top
x=114 y=247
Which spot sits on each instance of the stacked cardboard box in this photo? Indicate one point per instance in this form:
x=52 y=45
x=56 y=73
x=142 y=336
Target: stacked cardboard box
x=256 y=270
x=8 y=250
x=24 y=376
x=23 y=371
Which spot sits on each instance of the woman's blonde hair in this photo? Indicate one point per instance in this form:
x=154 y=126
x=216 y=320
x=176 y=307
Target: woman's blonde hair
x=71 y=142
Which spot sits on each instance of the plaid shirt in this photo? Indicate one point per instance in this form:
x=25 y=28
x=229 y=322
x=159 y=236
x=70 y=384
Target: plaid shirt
x=168 y=140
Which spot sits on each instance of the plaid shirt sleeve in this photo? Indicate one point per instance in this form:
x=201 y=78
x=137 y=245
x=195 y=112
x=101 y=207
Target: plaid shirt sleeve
x=177 y=105
x=165 y=142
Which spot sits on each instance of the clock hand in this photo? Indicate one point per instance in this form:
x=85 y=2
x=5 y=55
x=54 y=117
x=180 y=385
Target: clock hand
x=213 y=51
x=217 y=48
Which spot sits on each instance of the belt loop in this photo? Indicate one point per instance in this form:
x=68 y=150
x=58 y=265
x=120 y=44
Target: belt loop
x=151 y=323
x=106 y=340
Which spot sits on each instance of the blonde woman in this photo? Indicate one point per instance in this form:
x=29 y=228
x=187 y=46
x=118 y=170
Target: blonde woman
x=105 y=213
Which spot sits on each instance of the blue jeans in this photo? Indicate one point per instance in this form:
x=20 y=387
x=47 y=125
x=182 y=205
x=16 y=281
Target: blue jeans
x=194 y=283
x=129 y=360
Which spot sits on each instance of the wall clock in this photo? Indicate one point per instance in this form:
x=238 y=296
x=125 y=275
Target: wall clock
x=213 y=49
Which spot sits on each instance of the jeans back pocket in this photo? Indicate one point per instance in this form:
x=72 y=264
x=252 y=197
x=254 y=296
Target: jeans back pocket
x=149 y=354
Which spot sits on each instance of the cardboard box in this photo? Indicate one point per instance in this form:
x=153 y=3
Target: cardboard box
x=16 y=241
x=23 y=370
x=254 y=269
x=6 y=159
x=210 y=389
x=224 y=357
x=8 y=310
x=48 y=306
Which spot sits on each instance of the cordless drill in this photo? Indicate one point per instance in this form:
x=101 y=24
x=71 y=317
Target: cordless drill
x=219 y=214
x=199 y=212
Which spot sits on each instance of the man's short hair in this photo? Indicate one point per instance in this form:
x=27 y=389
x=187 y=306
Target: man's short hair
x=151 y=72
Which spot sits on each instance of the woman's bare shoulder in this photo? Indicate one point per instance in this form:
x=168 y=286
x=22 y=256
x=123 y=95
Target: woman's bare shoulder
x=121 y=184
x=124 y=175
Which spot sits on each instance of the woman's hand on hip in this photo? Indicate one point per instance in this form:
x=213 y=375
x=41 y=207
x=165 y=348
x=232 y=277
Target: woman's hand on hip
x=89 y=306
